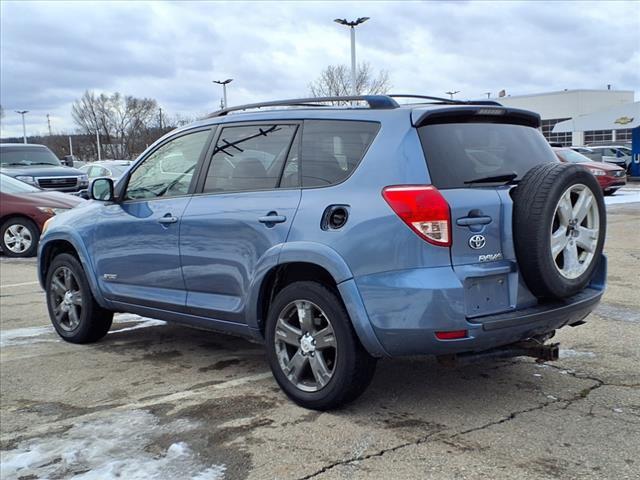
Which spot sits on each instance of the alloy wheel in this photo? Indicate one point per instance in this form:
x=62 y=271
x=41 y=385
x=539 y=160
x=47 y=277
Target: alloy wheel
x=575 y=231
x=65 y=298
x=18 y=238
x=306 y=345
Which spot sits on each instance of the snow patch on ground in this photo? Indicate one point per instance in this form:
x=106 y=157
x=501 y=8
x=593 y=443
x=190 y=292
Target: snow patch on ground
x=29 y=335
x=568 y=353
x=117 y=447
x=624 y=195
x=143 y=322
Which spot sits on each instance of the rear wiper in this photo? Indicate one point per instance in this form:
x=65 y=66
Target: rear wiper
x=504 y=178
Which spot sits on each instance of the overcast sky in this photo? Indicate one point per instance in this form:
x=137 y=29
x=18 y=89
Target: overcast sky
x=171 y=51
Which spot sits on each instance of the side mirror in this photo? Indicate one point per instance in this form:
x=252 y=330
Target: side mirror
x=68 y=160
x=101 y=189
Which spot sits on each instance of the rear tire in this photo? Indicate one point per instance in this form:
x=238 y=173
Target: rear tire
x=313 y=351
x=73 y=311
x=19 y=237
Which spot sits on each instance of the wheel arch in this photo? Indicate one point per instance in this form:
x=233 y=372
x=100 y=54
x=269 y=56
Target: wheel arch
x=58 y=243
x=309 y=261
x=9 y=216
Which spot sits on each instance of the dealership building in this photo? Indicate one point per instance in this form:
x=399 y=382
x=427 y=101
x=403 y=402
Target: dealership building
x=557 y=107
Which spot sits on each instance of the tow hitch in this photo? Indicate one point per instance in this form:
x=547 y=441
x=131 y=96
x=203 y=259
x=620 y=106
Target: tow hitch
x=529 y=348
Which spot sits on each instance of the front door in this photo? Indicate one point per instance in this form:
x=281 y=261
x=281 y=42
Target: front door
x=240 y=218
x=136 y=245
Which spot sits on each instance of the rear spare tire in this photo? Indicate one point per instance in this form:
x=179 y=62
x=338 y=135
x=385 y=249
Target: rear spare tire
x=559 y=223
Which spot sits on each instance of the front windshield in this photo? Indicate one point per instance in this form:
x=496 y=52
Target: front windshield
x=12 y=186
x=625 y=150
x=573 y=156
x=26 y=156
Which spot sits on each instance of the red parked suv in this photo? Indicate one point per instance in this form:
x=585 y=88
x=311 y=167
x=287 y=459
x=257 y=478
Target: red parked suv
x=609 y=176
x=23 y=211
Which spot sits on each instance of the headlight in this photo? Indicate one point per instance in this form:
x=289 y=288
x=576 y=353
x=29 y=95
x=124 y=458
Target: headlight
x=84 y=178
x=46 y=224
x=598 y=172
x=52 y=211
x=26 y=179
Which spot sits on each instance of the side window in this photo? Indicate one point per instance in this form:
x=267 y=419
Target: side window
x=168 y=171
x=331 y=150
x=249 y=158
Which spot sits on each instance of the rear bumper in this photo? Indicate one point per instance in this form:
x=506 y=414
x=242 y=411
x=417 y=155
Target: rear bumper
x=406 y=308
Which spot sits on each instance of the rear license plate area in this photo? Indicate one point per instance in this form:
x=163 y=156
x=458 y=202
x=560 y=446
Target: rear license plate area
x=486 y=295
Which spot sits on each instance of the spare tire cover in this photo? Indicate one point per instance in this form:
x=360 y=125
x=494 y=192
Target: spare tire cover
x=559 y=223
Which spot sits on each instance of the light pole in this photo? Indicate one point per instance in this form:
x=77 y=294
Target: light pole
x=24 y=127
x=224 y=89
x=352 y=26
x=452 y=93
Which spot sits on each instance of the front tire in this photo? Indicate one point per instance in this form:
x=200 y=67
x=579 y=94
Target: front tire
x=313 y=351
x=73 y=311
x=19 y=237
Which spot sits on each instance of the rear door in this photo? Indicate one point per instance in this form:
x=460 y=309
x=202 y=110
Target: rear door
x=474 y=165
x=241 y=216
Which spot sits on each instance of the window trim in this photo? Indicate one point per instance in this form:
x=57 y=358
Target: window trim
x=205 y=148
x=202 y=177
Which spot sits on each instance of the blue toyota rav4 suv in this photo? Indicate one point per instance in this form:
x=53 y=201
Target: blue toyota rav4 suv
x=339 y=234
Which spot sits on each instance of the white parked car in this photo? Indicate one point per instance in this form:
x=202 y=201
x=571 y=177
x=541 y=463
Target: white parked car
x=619 y=155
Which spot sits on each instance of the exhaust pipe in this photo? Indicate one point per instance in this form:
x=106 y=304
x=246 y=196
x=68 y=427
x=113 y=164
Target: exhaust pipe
x=529 y=348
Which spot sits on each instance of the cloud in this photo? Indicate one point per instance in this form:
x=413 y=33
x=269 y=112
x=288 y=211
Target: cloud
x=171 y=51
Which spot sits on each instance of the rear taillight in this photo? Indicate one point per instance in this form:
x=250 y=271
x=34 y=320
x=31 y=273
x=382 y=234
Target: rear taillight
x=424 y=209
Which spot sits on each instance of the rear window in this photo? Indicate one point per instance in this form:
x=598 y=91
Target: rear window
x=332 y=149
x=461 y=152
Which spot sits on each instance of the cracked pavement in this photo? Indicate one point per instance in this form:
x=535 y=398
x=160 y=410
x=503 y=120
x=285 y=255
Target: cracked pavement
x=154 y=401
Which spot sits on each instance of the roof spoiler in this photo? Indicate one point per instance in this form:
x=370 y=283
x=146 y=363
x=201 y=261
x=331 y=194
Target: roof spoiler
x=478 y=114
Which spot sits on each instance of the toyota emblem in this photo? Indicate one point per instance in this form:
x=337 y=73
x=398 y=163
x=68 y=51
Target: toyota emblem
x=477 y=242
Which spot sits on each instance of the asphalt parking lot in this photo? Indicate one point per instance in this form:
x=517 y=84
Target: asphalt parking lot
x=154 y=400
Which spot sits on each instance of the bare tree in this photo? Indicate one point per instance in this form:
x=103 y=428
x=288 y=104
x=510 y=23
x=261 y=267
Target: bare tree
x=125 y=124
x=335 y=81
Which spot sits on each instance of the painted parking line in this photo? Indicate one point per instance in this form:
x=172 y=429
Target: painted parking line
x=20 y=284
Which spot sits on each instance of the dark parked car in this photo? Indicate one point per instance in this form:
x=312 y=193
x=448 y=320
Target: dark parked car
x=38 y=166
x=23 y=211
x=609 y=176
x=337 y=236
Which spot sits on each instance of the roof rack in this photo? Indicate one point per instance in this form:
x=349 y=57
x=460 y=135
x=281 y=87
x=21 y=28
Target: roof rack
x=376 y=102
x=445 y=100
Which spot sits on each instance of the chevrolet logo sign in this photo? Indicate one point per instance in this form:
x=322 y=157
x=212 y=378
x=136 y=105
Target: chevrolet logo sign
x=624 y=120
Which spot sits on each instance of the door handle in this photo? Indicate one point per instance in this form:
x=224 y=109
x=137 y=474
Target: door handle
x=271 y=218
x=168 y=218
x=468 y=221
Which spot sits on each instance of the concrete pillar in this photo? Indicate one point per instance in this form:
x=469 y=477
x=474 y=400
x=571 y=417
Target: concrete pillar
x=577 y=139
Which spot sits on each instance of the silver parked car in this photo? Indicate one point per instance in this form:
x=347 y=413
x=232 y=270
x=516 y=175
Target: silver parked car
x=113 y=169
x=619 y=155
